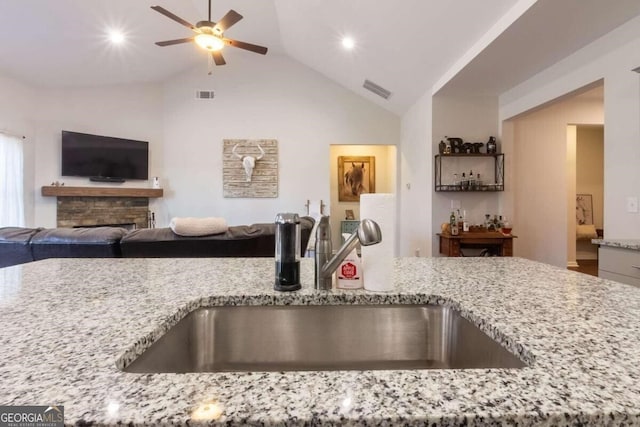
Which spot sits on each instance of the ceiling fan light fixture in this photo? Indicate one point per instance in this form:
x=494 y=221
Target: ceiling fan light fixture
x=210 y=35
x=209 y=42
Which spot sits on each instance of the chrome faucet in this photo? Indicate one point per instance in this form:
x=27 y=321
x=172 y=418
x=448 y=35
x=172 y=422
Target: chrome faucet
x=367 y=233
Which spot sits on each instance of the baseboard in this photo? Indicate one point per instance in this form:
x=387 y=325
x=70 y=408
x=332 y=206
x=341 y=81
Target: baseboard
x=572 y=264
x=587 y=261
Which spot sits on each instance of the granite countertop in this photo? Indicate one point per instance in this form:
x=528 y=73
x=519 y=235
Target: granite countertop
x=67 y=322
x=619 y=243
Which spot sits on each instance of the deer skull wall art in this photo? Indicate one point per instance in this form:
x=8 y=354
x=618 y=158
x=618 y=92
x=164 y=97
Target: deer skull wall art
x=248 y=162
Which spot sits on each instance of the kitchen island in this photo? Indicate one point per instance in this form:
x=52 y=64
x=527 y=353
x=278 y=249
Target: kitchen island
x=69 y=324
x=619 y=260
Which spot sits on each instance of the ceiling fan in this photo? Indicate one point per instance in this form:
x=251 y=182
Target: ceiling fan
x=210 y=35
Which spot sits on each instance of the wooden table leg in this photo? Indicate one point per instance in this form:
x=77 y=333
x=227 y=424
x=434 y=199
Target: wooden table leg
x=507 y=247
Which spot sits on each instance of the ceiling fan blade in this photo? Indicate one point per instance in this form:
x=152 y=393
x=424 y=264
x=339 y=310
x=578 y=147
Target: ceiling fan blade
x=246 y=46
x=170 y=15
x=217 y=58
x=227 y=21
x=176 y=41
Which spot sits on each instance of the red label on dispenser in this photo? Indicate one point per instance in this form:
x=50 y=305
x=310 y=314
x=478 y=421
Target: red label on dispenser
x=348 y=271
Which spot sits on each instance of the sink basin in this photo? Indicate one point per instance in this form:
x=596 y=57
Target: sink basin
x=325 y=337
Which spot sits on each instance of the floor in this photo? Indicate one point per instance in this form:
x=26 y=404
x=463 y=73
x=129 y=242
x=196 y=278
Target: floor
x=586 y=266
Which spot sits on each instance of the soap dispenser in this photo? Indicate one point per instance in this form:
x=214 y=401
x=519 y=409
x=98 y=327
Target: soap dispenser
x=287 y=252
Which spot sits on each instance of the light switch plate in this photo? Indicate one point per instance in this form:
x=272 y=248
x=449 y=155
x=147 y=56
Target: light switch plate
x=632 y=204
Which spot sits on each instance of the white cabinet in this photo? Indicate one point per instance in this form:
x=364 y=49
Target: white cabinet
x=619 y=264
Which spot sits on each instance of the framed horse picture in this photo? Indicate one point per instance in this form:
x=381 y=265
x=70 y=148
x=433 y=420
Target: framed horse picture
x=356 y=175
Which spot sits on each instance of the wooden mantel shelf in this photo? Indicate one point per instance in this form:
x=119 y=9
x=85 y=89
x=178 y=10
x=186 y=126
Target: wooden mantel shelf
x=62 y=191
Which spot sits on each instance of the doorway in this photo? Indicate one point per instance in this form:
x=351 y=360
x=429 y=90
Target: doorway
x=542 y=170
x=589 y=190
x=383 y=170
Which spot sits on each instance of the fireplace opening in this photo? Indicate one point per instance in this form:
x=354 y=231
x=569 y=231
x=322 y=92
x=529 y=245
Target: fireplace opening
x=130 y=226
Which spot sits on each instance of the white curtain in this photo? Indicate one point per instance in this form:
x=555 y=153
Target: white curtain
x=11 y=179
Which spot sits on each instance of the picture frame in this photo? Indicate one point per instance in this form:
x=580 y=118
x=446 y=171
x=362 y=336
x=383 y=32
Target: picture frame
x=348 y=215
x=356 y=175
x=584 y=209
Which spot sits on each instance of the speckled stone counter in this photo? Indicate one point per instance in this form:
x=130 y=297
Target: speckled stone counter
x=633 y=244
x=67 y=323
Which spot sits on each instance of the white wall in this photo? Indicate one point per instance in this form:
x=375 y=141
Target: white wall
x=543 y=202
x=416 y=182
x=261 y=97
x=127 y=111
x=16 y=105
x=611 y=58
x=265 y=97
x=385 y=175
x=474 y=119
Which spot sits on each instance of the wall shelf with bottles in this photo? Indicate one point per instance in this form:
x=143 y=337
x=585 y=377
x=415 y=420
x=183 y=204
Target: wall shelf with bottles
x=460 y=184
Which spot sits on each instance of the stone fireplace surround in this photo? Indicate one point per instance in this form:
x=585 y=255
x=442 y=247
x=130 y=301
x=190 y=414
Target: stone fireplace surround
x=96 y=211
x=96 y=206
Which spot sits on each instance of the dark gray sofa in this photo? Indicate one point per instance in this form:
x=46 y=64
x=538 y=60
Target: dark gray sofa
x=15 y=245
x=95 y=242
x=19 y=245
x=257 y=240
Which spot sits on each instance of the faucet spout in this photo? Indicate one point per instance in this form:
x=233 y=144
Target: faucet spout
x=367 y=233
x=332 y=264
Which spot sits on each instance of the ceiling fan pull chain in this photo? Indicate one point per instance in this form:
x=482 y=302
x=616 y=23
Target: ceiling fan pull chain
x=210 y=64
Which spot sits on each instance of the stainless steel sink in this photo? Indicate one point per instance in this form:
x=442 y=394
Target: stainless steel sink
x=339 y=337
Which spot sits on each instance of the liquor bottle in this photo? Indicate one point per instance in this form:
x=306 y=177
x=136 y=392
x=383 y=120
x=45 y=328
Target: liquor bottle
x=472 y=181
x=460 y=221
x=453 y=225
x=464 y=182
x=465 y=223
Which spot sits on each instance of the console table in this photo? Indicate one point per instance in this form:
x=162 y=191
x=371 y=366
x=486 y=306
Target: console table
x=452 y=245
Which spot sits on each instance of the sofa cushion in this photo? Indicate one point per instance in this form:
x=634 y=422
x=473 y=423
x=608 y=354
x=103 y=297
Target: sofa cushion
x=96 y=242
x=14 y=245
x=257 y=240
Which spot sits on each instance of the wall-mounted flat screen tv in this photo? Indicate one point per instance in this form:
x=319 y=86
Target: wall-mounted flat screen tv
x=104 y=158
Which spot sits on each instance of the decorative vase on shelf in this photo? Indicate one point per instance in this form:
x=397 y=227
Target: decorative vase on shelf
x=492 y=147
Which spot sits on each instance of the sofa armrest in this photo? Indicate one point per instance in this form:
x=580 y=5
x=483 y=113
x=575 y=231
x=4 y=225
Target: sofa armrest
x=97 y=242
x=15 y=245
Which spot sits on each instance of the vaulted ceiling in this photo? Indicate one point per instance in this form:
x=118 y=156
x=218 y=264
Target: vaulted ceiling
x=406 y=46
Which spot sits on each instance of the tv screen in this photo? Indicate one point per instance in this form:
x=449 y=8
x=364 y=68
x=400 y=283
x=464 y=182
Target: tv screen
x=104 y=158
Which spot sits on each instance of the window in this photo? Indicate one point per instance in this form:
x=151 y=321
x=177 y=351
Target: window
x=11 y=182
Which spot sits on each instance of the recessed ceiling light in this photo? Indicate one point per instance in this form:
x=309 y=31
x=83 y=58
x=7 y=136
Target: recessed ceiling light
x=116 y=36
x=348 y=43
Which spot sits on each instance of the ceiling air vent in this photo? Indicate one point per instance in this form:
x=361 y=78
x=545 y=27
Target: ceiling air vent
x=377 y=89
x=205 y=94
